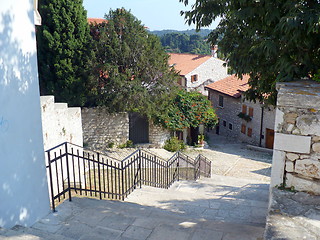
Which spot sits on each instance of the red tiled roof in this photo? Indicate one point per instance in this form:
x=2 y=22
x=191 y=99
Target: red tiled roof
x=96 y=20
x=231 y=85
x=185 y=63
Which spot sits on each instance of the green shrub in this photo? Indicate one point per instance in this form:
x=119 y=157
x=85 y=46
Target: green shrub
x=110 y=144
x=174 y=144
x=127 y=144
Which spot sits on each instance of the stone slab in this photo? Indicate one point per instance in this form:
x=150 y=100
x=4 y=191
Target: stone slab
x=308 y=167
x=292 y=143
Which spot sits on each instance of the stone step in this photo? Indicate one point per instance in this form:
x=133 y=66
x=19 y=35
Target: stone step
x=23 y=233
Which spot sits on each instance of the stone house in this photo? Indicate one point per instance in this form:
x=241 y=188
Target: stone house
x=197 y=71
x=240 y=119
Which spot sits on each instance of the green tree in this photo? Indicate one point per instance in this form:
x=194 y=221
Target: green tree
x=64 y=51
x=132 y=72
x=188 y=109
x=271 y=40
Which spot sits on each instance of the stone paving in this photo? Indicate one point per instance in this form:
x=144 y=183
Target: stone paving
x=232 y=205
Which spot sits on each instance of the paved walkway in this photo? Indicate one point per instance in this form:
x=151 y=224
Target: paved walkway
x=231 y=205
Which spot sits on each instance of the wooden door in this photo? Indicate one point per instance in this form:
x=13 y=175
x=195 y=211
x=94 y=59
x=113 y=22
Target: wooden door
x=269 y=138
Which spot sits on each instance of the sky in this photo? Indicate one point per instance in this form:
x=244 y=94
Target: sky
x=154 y=14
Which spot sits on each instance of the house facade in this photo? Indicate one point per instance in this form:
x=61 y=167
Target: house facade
x=197 y=71
x=240 y=119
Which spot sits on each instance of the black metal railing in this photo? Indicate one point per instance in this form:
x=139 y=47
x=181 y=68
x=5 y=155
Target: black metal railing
x=73 y=169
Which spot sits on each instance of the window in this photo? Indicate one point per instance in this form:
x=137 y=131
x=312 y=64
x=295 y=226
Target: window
x=243 y=129
x=249 y=132
x=244 y=109
x=251 y=112
x=194 y=78
x=230 y=126
x=224 y=123
x=220 y=101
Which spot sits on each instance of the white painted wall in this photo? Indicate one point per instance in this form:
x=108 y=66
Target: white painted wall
x=23 y=183
x=208 y=72
x=60 y=123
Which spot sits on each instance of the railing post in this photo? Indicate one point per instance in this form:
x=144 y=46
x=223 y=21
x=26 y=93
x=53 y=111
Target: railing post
x=68 y=172
x=98 y=157
x=178 y=163
x=122 y=182
x=140 y=160
x=51 y=183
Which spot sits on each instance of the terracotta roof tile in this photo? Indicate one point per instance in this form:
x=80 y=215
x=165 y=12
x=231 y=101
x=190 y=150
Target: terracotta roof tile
x=185 y=63
x=231 y=85
x=96 y=20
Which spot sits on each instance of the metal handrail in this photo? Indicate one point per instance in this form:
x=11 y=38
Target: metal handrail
x=101 y=176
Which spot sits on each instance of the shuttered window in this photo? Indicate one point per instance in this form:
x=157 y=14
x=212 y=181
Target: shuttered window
x=249 y=132
x=244 y=109
x=251 y=112
x=243 y=129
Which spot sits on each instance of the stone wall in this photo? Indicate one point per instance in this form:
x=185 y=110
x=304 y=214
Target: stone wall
x=60 y=123
x=227 y=114
x=296 y=159
x=158 y=135
x=101 y=128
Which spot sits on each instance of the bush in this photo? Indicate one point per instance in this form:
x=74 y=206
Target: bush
x=174 y=144
x=127 y=144
x=110 y=144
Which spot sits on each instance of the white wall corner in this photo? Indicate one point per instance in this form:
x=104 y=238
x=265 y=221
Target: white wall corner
x=278 y=165
x=37 y=17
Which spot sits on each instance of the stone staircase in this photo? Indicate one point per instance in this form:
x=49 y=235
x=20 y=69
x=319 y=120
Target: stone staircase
x=219 y=208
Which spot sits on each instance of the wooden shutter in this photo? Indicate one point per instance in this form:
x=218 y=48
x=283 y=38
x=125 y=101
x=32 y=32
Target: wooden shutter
x=249 y=132
x=251 y=112
x=244 y=109
x=243 y=129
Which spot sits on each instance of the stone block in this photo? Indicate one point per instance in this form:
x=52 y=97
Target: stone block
x=289 y=166
x=291 y=117
x=292 y=156
x=301 y=184
x=316 y=147
x=296 y=131
x=309 y=124
x=308 y=167
x=278 y=165
x=290 y=127
x=316 y=139
x=292 y=143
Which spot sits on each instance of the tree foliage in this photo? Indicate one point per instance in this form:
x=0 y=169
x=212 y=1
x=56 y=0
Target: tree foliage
x=132 y=72
x=64 y=51
x=188 y=109
x=271 y=40
x=183 y=43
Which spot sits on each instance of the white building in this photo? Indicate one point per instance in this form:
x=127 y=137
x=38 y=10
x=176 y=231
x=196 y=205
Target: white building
x=197 y=71
x=24 y=194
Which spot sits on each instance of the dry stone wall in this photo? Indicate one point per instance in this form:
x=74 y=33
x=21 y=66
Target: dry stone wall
x=296 y=159
x=101 y=128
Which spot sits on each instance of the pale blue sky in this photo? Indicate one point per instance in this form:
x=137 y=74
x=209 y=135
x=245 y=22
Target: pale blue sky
x=154 y=14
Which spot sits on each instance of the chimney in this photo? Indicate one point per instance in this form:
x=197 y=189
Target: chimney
x=214 y=50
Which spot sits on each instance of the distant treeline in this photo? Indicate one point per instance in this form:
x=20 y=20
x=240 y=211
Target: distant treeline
x=188 y=41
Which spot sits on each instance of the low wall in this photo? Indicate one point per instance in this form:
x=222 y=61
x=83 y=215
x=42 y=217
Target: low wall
x=101 y=128
x=158 y=135
x=296 y=156
x=60 y=123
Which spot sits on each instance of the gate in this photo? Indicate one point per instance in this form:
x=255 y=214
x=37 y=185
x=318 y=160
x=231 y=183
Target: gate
x=138 y=128
x=72 y=170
